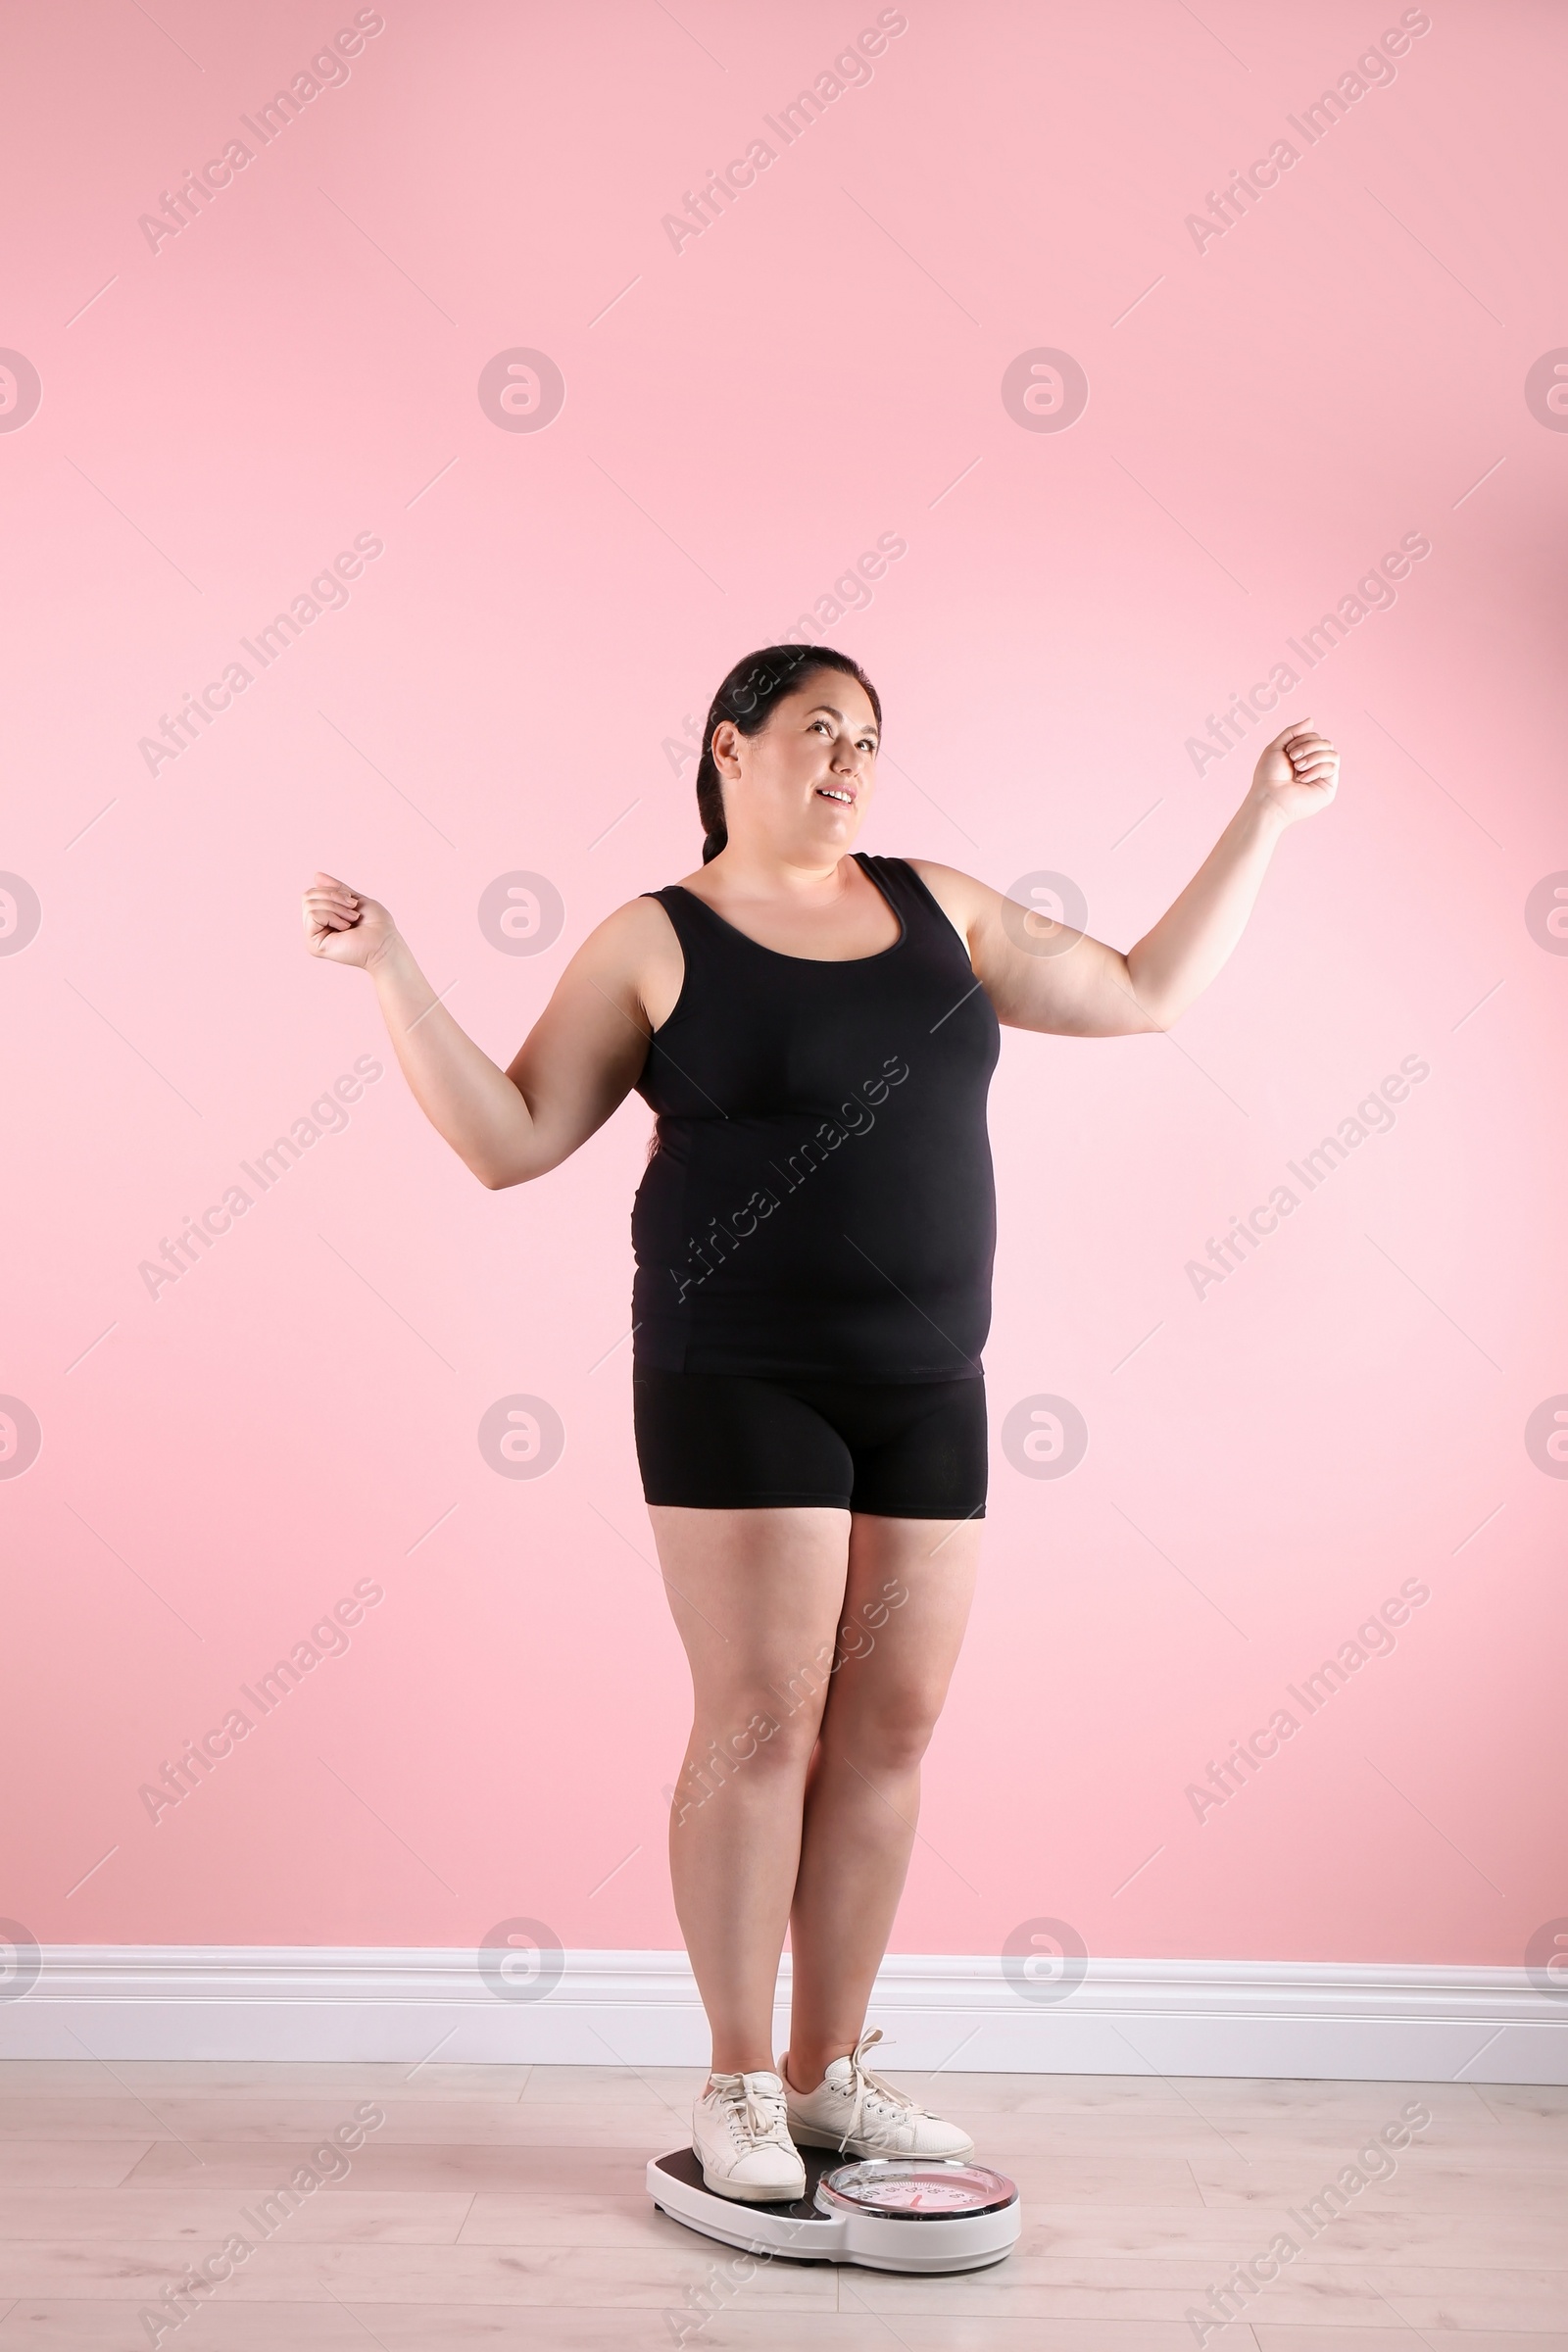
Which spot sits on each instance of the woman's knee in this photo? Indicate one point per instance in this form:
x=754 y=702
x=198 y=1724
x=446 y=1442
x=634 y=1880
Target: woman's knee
x=758 y=1727
x=776 y=1701
x=888 y=1732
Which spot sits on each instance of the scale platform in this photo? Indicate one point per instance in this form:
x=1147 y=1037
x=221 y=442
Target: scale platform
x=901 y=2213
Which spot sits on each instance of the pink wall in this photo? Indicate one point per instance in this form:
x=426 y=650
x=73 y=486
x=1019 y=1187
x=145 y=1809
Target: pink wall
x=1270 y=409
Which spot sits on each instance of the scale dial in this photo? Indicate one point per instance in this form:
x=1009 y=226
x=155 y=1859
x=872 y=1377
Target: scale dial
x=915 y=2188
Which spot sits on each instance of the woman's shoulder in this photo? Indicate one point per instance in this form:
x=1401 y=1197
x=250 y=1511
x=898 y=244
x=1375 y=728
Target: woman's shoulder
x=622 y=942
x=963 y=899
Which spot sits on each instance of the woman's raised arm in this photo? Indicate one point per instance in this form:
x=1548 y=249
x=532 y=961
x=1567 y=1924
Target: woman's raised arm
x=1043 y=974
x=577 y=1064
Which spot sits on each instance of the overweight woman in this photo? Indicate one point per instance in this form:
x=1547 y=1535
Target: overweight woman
x=815 y=1029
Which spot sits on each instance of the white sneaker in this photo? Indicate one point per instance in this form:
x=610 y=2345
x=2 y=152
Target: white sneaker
x=856 y=2112
x=741 y=2138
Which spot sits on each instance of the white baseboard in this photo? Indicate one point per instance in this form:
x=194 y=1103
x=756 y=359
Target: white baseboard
x=1307 y=2021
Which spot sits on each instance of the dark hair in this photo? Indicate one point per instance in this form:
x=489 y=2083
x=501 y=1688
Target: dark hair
x=749 y=697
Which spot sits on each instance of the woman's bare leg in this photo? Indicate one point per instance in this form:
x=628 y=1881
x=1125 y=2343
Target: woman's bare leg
x=896 y=1659
x=757 y=1598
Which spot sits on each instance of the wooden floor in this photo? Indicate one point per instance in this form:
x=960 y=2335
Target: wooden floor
x=505 y=2206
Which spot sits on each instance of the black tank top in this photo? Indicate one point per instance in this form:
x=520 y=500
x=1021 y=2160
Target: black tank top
x=819 y=1198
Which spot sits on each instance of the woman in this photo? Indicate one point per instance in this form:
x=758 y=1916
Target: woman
x=816 y=1031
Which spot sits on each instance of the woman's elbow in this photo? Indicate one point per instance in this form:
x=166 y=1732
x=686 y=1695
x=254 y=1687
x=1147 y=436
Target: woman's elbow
x=1149 y=1007
x=498 y=1176
x=499 y=1179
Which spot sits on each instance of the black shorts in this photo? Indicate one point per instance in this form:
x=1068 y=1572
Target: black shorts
x=901 y=1449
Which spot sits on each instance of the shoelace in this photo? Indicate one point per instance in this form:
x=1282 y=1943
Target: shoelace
x=758 y=2116
x=866 y=2085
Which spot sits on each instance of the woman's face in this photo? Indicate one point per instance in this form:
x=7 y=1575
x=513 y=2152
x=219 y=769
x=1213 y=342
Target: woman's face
x=803 y=785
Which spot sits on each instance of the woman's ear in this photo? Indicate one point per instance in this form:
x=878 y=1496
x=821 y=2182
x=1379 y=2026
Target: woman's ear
x=722 y=747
